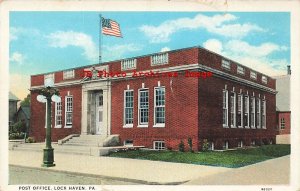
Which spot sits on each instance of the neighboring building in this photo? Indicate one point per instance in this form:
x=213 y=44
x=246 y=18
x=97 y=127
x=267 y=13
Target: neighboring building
x=23 y=115
x=13 y=100
x=283 y=103
x=234 y=107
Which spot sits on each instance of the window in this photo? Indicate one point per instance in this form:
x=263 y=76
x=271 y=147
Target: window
x=240 y=111
x=252 y=108
x=159 y=59
x=263 y=111
x=128 y=64
x=143 y=107
x=128 y=108
x=282 y=123
x=225 y=108
x=48 y=77
x=159 y=145
x=69 y=110
x=240 y=70
x=226 y=64
x=159 y=106
x=246 y=111
x=58 y=116
x=258 y=117
x=128 y=143
x=232 y=110
x=253 y=75
x=68 y=74
x=264 y=79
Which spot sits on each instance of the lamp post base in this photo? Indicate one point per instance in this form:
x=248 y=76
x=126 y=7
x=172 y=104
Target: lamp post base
x=48 y=160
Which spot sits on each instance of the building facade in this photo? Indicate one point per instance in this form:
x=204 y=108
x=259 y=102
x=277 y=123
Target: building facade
x=161 y=99
x=283 y=103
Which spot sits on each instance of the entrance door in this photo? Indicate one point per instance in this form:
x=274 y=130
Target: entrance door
x=99 y=113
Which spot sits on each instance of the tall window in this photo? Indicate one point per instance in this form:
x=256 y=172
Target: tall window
x=282 y=123
x=246 y=111
x=128 y=108
x=240 y=111
x=159 y=106
x=58 y=111
x=69 y=110
x=258 y=117
x=143 y=107
x=232 y=110
x=252 y=108
x=263 y=111
x=225 y=108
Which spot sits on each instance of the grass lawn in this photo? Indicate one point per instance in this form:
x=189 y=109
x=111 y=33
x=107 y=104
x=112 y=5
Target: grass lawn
x=231 y=159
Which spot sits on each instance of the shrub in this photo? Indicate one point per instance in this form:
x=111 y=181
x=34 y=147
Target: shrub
x=205 y=145
x=16 y=135
x=190 y=143
x=30 y=140
x=181 y=146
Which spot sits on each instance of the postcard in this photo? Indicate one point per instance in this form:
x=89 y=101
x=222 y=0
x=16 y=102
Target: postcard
x=150 y=95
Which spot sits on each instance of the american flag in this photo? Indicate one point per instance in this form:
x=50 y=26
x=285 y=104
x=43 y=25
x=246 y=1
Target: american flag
x=110 y=27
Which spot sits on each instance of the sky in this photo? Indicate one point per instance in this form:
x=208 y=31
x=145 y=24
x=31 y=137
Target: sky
x=42 y=42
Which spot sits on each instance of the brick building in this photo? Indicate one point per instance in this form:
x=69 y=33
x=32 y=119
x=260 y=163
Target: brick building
x=160 y=99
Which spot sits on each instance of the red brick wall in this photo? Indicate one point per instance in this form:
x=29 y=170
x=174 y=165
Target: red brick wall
x=287 y=118
x=213 y=60
x=37 y=125
x=211 y=114
x=181 y=112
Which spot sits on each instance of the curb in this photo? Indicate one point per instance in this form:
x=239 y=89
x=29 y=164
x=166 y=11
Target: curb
x=102 y=176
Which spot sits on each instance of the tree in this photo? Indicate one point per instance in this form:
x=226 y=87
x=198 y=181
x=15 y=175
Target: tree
x=26 y=101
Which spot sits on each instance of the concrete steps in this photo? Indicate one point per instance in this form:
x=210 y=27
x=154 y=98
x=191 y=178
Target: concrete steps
x=94 y=145
x=86 y=140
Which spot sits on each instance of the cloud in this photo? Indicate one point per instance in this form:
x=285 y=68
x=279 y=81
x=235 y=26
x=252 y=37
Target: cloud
x=63 y=39
x=19 y=85
x=244 y=48
x=216 y=24
x=213 y=45
x=256 y=57
x=117 y=51
x=165 y=49
x=17 y=58
x=16 y=33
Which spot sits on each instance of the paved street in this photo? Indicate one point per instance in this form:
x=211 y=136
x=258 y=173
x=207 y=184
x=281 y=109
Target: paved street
x=22 y=175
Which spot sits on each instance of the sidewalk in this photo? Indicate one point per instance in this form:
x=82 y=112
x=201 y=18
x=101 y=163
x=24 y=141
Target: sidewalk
x=132 y=170
x=274 y=171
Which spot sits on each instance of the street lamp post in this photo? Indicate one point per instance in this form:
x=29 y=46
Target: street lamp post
x=47 y=94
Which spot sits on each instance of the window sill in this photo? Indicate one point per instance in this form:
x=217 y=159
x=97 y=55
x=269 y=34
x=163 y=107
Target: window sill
x=234 y=127
x=246 y=127
x=68 y=126
x=225 y=126
x=253 y=127
x=240 y=127
x=159 y=125
x=142 y=126
x=57 y=127
x=128 y=126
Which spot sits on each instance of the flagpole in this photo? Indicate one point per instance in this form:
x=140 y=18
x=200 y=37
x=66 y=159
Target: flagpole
x=100 y=39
